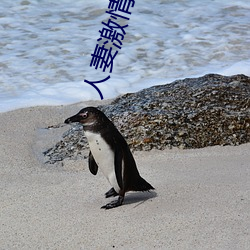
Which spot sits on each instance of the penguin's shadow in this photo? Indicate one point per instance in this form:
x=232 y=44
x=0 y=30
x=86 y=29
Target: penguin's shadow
x=137 y=198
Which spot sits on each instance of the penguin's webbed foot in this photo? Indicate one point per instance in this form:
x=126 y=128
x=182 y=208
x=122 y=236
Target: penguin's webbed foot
x=113 y=204
x=111 y=193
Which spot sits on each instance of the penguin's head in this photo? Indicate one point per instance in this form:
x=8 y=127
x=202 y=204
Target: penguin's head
x=88 y=117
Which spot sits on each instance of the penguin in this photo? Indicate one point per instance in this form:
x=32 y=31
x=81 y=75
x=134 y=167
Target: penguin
x=110 y=152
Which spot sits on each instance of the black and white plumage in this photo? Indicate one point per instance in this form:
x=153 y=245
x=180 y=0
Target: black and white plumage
x=110 y=152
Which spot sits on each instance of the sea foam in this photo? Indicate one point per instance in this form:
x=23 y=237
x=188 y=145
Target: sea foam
x=46 y=47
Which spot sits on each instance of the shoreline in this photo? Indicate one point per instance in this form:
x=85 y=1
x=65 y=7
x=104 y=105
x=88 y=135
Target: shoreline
x=201 y=198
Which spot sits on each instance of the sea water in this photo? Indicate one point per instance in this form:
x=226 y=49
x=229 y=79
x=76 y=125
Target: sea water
x=46 y=47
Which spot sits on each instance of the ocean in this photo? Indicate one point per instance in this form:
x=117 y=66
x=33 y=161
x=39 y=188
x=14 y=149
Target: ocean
x=46 y=47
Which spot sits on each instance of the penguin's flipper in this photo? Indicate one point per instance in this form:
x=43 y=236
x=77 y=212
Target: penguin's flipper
x=111 y=193
x=115 y=203
x=93 y=167
x=118 y=166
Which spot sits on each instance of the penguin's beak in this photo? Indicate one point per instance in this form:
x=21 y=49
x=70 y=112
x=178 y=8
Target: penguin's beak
x=74 y=118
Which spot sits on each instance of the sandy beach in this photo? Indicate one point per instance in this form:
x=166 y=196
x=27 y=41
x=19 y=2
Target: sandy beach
x=201 y=198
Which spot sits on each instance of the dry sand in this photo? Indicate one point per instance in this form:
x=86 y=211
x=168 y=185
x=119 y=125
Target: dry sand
x=201 y=201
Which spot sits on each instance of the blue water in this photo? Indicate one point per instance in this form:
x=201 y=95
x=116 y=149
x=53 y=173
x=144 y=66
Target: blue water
x=46 y=47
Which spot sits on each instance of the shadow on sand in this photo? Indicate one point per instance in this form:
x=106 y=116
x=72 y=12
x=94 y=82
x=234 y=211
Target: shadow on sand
x=138 y=198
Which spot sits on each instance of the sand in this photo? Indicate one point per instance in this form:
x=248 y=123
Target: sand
x=201 y=200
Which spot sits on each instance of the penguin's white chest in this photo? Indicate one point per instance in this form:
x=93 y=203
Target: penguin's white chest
x=104 y=157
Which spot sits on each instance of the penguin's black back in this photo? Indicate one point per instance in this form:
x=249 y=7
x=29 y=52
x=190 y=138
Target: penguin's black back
x=132 y=180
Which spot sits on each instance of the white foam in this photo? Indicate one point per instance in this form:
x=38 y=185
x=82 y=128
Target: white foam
x=242 y=67
x=46 y=47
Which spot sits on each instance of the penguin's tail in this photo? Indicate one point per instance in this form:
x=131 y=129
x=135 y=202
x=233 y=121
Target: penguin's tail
x=141 y=185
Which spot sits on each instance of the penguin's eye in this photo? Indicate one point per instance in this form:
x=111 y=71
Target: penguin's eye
x=84 y=115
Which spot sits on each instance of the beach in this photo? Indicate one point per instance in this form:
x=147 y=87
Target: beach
x=201 y=198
